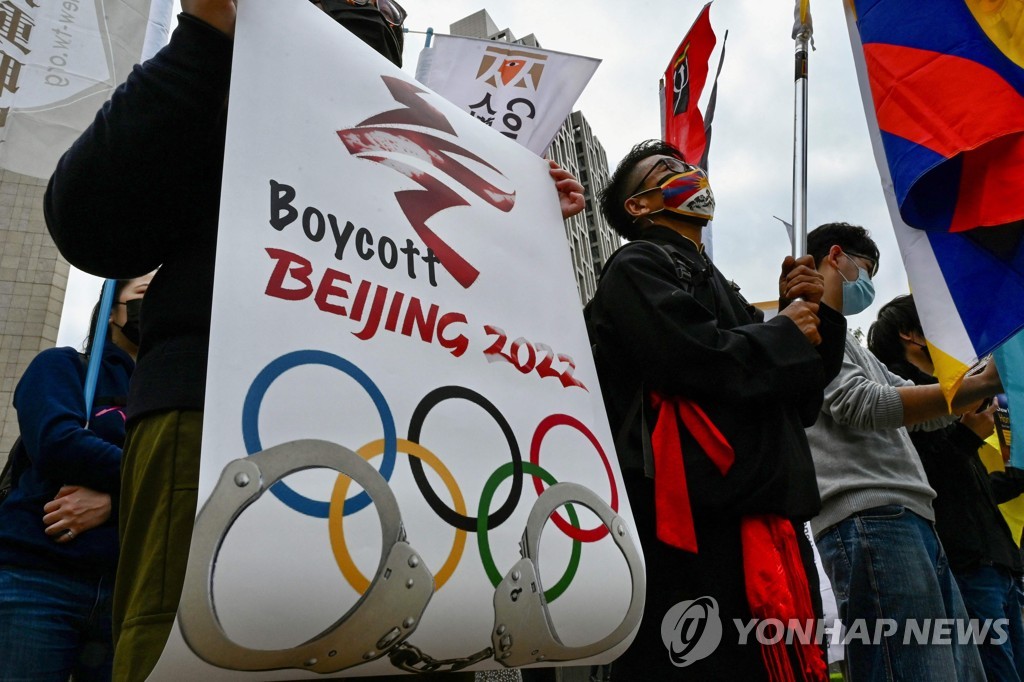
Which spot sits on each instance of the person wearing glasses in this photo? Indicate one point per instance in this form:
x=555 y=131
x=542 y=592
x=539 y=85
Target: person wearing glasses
x=707 y=404
x=141 y=188
x=876 y=533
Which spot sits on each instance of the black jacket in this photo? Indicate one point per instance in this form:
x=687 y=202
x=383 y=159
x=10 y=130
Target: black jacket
x=760 y=383
x=967 y=517
x=141 y=188
x=685 y=331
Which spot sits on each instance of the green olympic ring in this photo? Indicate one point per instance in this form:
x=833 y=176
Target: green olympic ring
x=487 y=494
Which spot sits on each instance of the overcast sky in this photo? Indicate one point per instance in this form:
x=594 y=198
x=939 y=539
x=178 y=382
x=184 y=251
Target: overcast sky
x=752 y=146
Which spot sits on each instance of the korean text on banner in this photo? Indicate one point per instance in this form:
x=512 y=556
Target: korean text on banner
x=59 y=61
x=401 y=394
x=953 y=171
x=523 y=92
x=685 y=77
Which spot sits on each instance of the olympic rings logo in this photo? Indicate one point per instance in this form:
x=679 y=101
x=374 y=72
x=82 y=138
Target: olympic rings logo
x=387 y=448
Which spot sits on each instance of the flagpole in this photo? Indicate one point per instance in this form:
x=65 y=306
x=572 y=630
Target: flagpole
x=802 y=33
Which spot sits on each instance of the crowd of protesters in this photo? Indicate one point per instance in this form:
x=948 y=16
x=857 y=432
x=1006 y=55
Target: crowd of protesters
x=732 y=431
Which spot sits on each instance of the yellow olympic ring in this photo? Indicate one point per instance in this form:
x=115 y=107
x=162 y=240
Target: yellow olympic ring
x=336 y=518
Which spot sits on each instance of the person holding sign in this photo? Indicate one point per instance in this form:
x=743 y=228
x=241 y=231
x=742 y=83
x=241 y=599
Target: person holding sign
x=141 y=187
x=708 y=404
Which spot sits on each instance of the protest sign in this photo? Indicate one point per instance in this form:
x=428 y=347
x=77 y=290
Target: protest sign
x=394 y=301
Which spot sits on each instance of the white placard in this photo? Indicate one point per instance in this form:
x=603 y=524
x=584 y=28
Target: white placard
x=393 y=279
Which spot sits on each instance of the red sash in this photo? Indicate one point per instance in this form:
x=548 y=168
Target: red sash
x=776 y=583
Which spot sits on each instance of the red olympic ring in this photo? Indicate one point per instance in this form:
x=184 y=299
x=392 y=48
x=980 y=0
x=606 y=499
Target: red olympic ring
x=548 y=423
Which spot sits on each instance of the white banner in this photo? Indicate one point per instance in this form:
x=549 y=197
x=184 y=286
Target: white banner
x=525 y=93
x=59 y=61
x=394 y=301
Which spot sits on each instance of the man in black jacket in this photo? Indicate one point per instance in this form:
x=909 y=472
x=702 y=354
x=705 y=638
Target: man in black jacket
x=708 y=405
x=983 y=556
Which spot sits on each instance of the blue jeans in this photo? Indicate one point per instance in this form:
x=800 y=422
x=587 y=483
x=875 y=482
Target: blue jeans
x=887 y=567
x=992 y=593
x=53 y=625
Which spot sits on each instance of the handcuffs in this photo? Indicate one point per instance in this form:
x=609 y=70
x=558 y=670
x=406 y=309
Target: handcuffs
x=384 y=617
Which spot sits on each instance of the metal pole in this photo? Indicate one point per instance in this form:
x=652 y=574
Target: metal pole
x=800 y=144
x=430 y=34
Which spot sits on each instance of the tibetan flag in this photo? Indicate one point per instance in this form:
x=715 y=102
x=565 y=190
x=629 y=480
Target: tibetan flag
x=1010 y=361
x=1013 y=510
x=685 y=77
x=943 y=86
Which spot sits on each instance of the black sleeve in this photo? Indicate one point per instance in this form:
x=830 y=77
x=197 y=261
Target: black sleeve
x=831 y=350
x=134 y=183
x=684 y=351
x=1006 y=485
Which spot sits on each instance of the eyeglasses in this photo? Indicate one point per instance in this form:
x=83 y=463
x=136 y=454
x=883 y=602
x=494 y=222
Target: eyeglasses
x=392 y=12
x=669 y=164
x=873 y=270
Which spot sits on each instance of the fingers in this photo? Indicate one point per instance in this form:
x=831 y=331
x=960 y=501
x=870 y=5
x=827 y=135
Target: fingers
x=801 y=281
x=571 y=204
x=61 y=532
x=789 y=263
x=66 y=490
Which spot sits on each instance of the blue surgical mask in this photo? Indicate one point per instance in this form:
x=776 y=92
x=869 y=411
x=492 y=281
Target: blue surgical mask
x=858 y=294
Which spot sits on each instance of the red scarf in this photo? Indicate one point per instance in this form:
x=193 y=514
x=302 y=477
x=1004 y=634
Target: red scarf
x=776 y=583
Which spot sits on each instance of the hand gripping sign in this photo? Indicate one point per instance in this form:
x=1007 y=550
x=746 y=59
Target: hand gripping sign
x=394 y=601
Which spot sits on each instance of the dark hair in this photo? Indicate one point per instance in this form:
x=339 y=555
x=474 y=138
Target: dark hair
x=848 y=237
x=897 y=316
x=118 y=288
x=621 y=184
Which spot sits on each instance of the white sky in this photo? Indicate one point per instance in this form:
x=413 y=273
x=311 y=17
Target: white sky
x=752 y=145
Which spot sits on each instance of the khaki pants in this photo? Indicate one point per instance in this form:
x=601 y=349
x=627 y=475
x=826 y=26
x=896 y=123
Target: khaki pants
x=159 y=481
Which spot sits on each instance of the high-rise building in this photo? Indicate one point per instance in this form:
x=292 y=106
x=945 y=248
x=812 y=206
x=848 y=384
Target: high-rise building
x=576 y=149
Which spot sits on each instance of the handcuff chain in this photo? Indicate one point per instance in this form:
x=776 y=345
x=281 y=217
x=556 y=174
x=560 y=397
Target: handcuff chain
x=411 y=659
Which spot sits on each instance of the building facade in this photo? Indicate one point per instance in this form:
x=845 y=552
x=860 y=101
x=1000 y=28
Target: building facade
x=33 y=279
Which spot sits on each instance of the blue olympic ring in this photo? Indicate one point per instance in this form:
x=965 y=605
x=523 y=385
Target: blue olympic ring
x=251 y=436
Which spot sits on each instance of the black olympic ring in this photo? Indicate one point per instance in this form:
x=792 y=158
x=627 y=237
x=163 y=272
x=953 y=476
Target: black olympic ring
x=449 y=515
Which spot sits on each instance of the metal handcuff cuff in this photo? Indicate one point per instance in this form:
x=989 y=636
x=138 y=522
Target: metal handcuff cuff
x=402 y=587
x=397 y=597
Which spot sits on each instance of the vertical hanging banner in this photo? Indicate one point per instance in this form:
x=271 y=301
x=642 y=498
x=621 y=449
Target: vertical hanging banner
x=523 y=92
x=952 y=171
x=406 y=462
x=59 y=61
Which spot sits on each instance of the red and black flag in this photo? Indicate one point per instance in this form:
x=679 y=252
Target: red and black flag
x=685 y=77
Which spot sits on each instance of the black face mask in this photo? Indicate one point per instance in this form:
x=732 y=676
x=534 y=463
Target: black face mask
x=131 y=329
x=369 y=26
